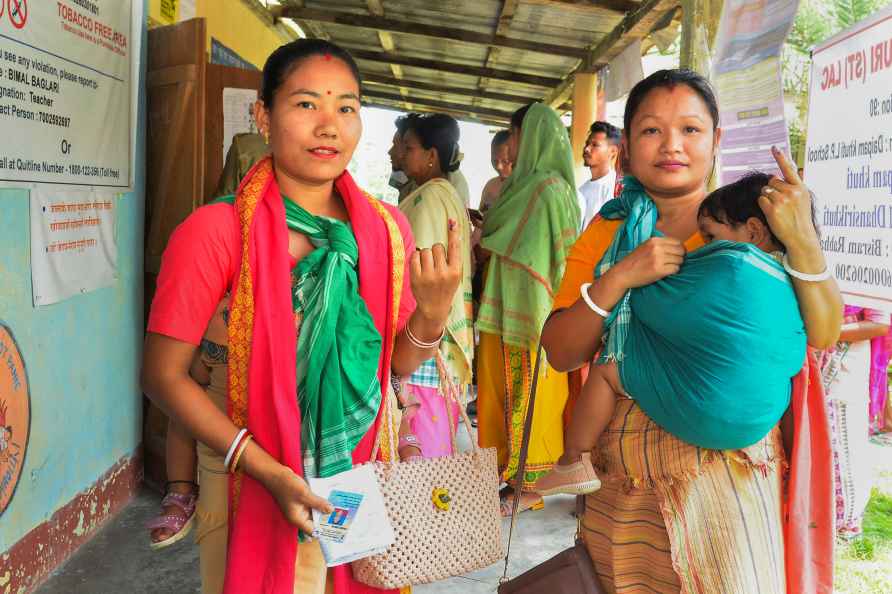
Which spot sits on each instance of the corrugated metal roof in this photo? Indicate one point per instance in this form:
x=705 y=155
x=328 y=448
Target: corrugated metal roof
x=476 y=59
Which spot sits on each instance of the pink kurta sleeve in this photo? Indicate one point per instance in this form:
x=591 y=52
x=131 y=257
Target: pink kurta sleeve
x=196 y=271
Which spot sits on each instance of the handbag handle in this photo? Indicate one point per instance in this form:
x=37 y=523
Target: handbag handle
x=522 y=464
x=449 y=391
x=522 y=458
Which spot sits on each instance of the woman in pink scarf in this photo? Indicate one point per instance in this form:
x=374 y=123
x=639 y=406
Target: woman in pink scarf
x=854 y=377
x=297 y=216
x=880 y=411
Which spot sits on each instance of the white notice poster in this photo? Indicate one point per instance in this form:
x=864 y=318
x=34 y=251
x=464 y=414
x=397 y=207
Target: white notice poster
x=849 y=157
x=747 y=76
x=238 y=118
x=186 y=10
x=65 y=76
x=73 y=248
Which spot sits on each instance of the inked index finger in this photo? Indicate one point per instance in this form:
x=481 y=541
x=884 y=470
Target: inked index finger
x=791 y=176
x=453 y=247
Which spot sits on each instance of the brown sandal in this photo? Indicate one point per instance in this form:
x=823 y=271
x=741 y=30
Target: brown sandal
x=506 y=505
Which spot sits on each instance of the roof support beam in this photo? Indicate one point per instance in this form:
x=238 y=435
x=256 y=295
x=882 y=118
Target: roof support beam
x=381 y=23
x=506 y=15
x=443 y=105
x=285 y=33
x=386 y=40
x=383 y=104
x=311 y=29
x=634 y=25
x=582 y=5
x=435 y=65
x=424 y=86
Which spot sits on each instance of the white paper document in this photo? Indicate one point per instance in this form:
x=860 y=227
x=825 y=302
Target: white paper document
x=358 y=527
x=238 y=118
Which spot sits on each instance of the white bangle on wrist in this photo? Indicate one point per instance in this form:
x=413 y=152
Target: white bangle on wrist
x=232 y=446
x=591 y=304
x=420 y=344
x=812 y=278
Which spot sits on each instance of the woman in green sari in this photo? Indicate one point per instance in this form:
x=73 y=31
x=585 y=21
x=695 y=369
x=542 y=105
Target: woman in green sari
x=527 y=235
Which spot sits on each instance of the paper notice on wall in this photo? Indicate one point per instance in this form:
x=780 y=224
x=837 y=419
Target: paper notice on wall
x=65 y=92
x=73 y=248
x=747 y=76
x=186 y=10
x=238 y=118
x=848 y=159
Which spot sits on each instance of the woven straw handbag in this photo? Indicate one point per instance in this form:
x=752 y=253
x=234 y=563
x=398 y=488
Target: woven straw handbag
x=444 y=511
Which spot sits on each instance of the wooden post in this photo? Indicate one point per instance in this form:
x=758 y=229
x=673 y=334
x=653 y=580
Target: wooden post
x=699 y=23
x=585 y=110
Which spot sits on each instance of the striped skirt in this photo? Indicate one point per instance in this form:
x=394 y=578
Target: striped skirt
x=671 y=517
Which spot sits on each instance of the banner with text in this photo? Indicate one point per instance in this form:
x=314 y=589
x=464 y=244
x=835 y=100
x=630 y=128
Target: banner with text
x=747 y=77
x=849 y=157
x=65 y=78
x=73 y=247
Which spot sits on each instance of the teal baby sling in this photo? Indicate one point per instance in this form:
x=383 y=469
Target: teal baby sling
x=707 y=353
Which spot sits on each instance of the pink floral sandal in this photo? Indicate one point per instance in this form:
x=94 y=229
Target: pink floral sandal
x=180 y=523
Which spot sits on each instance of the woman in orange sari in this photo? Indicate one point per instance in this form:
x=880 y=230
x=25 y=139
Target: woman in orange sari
x=319 y=274
x=672 y=517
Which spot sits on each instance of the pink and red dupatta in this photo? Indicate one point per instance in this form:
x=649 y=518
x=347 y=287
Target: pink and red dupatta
x=263 y=546
x=809 y=512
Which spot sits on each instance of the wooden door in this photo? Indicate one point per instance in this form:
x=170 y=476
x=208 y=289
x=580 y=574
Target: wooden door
x=177 y=64
x=219 y=78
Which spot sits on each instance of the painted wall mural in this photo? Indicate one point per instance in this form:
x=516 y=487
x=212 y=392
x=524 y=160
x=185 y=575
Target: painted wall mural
x=15 y=415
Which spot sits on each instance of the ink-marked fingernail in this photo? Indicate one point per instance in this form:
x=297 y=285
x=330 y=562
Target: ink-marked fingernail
x=451 y=224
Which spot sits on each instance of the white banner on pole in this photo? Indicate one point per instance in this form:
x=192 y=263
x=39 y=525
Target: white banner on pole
x=849 y=157
x=65 y=82
x=746 y=71
x=73 y=247
x=624 y=72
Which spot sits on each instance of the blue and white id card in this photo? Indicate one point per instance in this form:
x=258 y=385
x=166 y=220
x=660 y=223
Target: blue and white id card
x=358 y=526
x=334 y=526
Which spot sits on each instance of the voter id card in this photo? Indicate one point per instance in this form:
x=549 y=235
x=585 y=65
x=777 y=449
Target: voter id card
x=334 y=526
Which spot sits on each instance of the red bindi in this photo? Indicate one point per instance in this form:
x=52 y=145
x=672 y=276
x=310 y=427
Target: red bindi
x=328 y=56
x=328 y=92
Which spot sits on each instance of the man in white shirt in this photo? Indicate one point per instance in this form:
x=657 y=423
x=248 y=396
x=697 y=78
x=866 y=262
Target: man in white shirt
x=599 y=155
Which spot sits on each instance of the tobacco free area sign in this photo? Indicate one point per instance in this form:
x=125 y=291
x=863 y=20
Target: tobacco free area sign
x=65 y=83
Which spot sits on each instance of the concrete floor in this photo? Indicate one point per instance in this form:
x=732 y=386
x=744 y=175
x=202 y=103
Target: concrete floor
x=118 y=560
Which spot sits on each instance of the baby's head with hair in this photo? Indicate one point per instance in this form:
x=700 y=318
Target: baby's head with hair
x=732 y=213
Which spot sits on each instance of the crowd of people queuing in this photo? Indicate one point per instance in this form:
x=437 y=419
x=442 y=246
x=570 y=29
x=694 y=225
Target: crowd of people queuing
x=695 y=346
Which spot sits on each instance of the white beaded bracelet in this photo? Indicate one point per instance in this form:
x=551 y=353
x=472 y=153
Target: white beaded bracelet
x=591 y=304
x=232 y=446
x=812 y=278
